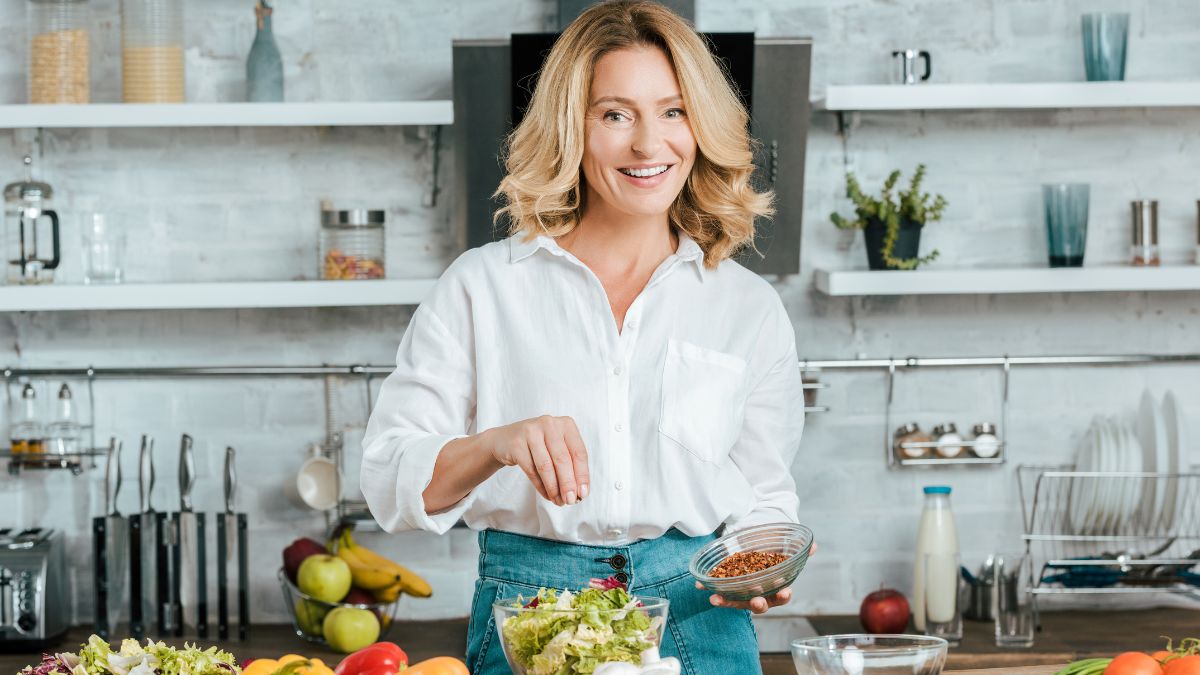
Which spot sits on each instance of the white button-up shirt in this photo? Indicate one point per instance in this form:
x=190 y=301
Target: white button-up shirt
x=691 y=414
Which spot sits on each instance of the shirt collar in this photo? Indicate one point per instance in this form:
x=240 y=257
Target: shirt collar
x=521 y=246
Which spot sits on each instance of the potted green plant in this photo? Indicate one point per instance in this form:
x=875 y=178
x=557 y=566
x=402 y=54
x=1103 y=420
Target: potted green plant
x=891 y=228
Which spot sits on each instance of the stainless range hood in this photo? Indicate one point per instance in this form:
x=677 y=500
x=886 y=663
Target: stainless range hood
x=483 y=71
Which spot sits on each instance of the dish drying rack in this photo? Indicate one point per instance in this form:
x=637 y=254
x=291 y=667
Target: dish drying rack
x=1114 y=532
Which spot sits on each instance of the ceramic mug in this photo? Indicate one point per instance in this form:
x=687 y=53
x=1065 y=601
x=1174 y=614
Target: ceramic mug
x=318 y=483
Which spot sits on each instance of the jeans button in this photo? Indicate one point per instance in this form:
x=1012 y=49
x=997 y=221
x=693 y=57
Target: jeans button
x=618 y=561
x=622 y=577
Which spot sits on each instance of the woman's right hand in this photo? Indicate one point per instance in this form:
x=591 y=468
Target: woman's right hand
x=550 y=451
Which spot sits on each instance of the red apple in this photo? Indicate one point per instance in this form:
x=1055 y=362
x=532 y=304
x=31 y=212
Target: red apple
x=884 y=611
x=297 y=553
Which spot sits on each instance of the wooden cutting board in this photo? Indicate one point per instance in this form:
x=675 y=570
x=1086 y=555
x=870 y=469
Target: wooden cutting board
x=1025 y=670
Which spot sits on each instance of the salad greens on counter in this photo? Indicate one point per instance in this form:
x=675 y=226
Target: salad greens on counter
x=569 y=632
x=154 y=658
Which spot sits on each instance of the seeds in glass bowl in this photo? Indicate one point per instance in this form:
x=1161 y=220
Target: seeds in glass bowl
x=746 y=562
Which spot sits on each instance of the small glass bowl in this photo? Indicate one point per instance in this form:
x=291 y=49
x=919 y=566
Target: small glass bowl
x=794 y=541
x=655 y=608
x=308 y=613
x=863 y=654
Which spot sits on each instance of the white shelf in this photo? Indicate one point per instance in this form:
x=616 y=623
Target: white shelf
x=103 y=115
x=224 y=295
x=1021 y=280
x=1010 y=96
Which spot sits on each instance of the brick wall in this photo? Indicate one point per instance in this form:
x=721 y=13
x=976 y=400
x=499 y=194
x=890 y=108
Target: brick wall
x=208 y=204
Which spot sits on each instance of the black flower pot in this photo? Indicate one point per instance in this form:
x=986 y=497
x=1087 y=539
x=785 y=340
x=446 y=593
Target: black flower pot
x=908 y=242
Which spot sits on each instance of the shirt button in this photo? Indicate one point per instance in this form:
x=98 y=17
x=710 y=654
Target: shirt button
x=631 y=323
x=618 y=370
x=616 y=532
x=619 y=485
x=619 y=427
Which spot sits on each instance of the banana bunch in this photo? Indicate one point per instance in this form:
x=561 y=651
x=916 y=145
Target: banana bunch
x=385 y=579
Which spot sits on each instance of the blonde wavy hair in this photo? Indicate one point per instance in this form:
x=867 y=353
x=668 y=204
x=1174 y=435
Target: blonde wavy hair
x=544 y=185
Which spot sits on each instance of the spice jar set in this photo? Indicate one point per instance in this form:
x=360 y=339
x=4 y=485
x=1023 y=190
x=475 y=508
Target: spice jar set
x=945 y=442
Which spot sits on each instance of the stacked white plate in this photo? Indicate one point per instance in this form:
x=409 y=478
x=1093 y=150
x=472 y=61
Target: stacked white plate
x=1106 y=504
x=1129 y=504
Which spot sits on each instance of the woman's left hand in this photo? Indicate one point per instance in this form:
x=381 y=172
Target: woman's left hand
x=757 y=605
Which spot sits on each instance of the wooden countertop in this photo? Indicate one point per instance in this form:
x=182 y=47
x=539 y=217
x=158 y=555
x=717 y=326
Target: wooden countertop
x=1065 y=637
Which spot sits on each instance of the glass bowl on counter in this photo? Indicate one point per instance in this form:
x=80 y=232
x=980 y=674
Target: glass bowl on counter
x=308 y=613
x=791 y=540
x=863 y=654
x=530 y=635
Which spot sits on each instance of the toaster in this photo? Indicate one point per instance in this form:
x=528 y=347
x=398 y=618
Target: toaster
x=34 y=604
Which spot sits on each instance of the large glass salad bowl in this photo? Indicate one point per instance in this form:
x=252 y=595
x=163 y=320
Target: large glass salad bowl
x=558 y=632
x=862 y=654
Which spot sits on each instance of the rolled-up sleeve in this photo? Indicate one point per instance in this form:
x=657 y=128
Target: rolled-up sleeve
x=771 y=430
x=428 y=401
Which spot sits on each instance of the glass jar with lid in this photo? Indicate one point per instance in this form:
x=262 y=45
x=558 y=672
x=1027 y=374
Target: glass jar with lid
x=59 y=51
x=352 y=244
x=152 y=51
x=949 y=441
x=907 y=442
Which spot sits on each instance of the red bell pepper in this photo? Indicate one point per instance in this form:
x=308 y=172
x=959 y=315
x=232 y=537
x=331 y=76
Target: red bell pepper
x=381 y=658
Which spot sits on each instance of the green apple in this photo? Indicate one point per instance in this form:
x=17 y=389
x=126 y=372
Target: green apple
x=310 y=615
x=324 y=577
x=349 y=629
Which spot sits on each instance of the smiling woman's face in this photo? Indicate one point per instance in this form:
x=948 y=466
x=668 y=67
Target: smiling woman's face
x=638 y=144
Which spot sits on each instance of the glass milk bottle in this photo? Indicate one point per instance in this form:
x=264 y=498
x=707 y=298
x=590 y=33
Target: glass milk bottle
x=936 y=534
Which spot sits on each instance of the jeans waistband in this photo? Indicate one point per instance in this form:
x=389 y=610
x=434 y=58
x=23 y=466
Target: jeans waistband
x=535 y=561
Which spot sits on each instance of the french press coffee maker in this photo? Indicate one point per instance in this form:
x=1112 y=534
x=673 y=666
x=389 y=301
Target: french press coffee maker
x=27 y=219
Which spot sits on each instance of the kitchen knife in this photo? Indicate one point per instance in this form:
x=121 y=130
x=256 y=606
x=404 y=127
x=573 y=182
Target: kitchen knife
x=226 y=542
x=136 y=628
x=243 y=579
x=144 y=559
x=186 y=581
x=201 y=576
x=116 y=538
x=165 y=546
x=100 y=574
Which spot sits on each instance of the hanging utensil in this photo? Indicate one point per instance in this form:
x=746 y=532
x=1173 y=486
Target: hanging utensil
x=226 y=543
x=186 y=580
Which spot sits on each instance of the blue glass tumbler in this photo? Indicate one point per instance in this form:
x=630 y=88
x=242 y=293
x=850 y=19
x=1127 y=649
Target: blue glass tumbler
x=1105 y=37
x=1066 y=207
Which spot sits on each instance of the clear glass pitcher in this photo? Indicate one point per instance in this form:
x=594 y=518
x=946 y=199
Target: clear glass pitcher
x=31 y=242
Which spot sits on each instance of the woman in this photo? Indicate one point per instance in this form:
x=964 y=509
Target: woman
x=602 y=391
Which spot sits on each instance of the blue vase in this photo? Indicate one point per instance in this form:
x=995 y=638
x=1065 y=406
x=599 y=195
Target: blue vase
x=264 y=66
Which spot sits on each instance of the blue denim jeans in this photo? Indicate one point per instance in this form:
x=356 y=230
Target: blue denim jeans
x=707 y=640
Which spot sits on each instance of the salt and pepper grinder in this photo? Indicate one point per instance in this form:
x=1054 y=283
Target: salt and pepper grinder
x=1144 y=252
x=948 y=439
x=987 y=444
x=264 y=65
x=910 y=433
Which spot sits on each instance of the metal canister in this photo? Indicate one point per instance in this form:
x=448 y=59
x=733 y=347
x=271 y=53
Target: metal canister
x=1144 y=250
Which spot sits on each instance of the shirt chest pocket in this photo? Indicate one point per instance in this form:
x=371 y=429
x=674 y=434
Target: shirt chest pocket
x=702 y=399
